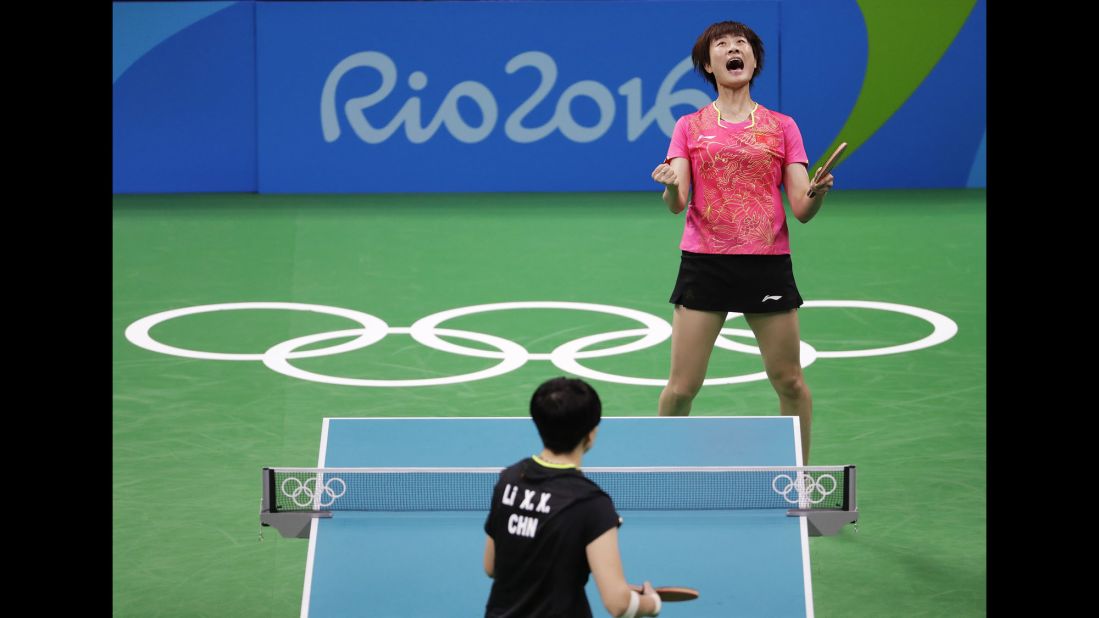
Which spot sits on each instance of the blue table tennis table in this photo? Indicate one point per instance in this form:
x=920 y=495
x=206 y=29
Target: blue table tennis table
x=428 y=563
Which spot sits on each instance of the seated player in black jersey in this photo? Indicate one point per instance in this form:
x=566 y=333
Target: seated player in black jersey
x=549 y=525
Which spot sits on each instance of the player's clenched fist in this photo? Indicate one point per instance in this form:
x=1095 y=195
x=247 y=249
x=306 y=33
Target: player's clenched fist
x=665 y=175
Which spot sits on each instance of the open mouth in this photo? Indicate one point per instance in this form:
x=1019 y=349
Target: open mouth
x=734 y=64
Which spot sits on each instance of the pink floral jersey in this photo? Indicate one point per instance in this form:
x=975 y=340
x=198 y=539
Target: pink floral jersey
x=736 y=171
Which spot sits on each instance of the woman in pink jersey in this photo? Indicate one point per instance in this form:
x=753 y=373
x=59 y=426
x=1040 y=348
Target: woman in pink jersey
x=725 y=165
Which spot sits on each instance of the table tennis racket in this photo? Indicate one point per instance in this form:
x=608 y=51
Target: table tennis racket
x=828 y=165
x=671 y=594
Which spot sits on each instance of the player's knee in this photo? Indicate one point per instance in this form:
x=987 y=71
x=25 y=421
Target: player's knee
x=790 y=384
x=684 y=390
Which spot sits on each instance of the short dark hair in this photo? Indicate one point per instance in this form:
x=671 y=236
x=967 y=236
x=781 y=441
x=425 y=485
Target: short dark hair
x=701 y=52
x=564 y=411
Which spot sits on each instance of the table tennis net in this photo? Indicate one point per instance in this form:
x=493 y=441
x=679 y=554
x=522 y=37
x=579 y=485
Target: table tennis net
x=470 y=489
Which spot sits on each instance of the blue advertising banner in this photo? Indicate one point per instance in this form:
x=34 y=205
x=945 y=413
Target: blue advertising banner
x=484 y=96
x=184 y=113
x=350 y=97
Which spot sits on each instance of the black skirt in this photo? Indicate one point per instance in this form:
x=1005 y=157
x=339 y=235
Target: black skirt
x=740 y=283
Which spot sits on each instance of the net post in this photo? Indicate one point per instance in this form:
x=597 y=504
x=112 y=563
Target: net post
x=826 y=522
x=292 y=524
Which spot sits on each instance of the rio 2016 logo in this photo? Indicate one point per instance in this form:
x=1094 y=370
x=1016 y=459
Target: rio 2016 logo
x=411 y=115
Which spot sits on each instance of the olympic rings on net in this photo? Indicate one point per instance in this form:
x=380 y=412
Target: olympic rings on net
x=804 y=488
x=313 y=496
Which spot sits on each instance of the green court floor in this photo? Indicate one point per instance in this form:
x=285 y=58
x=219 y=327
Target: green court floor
x=191 y=434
